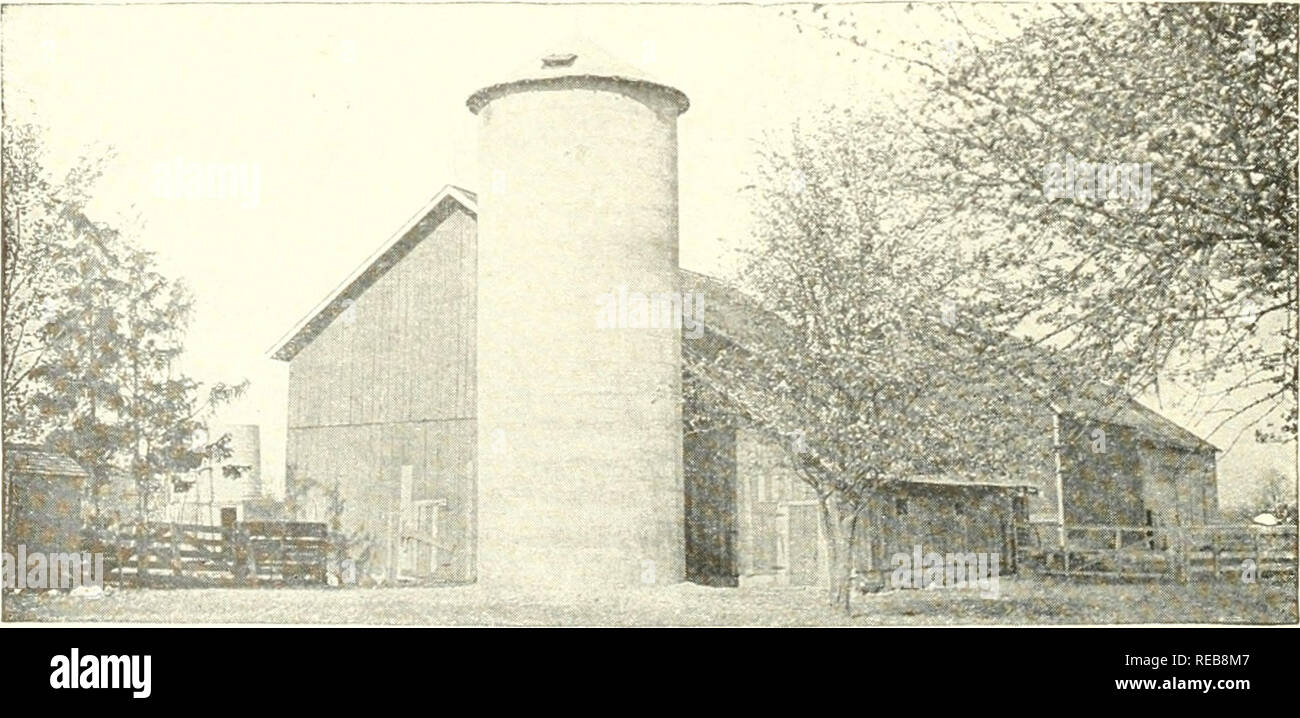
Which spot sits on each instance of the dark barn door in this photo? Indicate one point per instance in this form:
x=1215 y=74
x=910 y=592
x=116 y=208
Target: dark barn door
x=710 y=504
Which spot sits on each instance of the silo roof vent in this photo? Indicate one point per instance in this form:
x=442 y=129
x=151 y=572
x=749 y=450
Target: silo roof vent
x=559 y=60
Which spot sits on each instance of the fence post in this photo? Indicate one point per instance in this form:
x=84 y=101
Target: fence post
x=1259 y=561
x=1184 y=561
x=228 y=551
x=142 y=549
x=248 y=549
x=237 y=547
x=176 y=551
x=1170 y=550
x=123 y=554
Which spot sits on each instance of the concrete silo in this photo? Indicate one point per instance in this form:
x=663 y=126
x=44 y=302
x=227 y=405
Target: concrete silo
x=579 y=418
x=212 y=493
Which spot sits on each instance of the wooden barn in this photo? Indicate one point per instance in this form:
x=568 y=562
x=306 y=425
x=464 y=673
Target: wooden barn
x=382 y=387
x=381 y=397
x=460 y=417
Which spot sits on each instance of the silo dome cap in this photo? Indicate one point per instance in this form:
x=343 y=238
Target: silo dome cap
x=566 y=66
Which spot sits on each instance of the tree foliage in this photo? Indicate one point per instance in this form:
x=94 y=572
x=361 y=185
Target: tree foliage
x=859 y=362
x=92 y=335
x=1196 y=287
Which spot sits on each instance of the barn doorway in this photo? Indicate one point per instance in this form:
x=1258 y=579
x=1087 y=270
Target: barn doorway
x=709 y=467
x=803 y=543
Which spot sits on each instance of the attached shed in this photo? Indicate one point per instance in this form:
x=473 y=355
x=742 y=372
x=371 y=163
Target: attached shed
x=750 y=518
x=43 y=491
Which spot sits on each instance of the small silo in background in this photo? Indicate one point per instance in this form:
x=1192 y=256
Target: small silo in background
x=214 y=497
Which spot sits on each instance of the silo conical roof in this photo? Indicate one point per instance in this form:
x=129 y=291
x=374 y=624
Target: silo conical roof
x=570 y=65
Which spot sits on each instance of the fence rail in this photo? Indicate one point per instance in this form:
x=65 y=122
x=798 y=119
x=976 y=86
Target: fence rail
x=1148 y=552
x=246 y=552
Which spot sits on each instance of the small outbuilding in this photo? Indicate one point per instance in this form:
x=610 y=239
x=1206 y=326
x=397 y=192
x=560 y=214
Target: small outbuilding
x=42 y=500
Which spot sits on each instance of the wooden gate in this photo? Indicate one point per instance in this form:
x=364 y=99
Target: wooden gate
x=155 y=553
x=417 y=531
x=418 y=554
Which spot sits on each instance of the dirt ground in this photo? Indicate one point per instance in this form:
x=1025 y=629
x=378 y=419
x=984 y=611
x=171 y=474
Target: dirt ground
x=1019 y=601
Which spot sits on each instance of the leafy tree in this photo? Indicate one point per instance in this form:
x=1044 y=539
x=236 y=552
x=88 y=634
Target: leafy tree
x=1193 y=283
x=858 y=360
x=92 y=332
x=1275 y=493
x=42 y=236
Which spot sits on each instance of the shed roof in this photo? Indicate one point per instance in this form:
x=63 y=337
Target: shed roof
x=36 y=460
x=982 y=482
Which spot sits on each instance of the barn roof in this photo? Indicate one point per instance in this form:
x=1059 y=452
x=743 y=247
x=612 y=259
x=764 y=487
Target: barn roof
x=1148 y=423
x=36 y=460
x=730 y=310
x=446 y=201
x=741 y=319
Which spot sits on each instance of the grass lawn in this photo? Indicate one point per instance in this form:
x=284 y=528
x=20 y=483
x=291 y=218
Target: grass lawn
x=1021 y=601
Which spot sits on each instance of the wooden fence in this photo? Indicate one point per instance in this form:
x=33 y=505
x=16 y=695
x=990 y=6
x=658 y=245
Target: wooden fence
x=1147 y=552
x=154 y=553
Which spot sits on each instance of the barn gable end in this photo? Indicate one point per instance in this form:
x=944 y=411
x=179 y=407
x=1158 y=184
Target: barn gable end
x=381 y=401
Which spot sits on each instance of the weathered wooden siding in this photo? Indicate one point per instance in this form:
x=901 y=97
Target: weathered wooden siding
x=940 y=519
x=367 y=463
x=406 y=352
x=1113 y=475
x=1181 y=486
x=390 y=384
x=767 y=484
x=47 y=514
x=780 y=539
x=1035 y=459
x=1101 y=472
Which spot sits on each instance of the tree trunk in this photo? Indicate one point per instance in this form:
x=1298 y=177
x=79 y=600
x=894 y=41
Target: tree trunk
x=840 y=526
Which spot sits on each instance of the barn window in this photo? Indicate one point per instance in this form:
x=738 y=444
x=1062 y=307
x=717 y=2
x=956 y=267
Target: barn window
x=1020 y=508
x=900 y=507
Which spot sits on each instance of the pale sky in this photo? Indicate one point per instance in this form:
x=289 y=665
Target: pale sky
x=352 y=117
